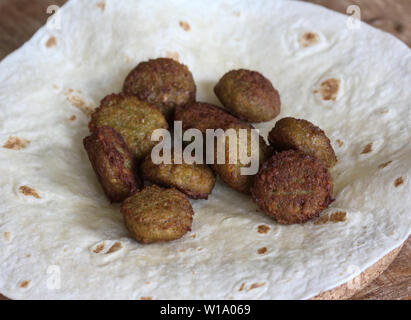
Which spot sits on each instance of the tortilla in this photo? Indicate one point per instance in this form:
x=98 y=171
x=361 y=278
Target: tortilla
x=60 y=238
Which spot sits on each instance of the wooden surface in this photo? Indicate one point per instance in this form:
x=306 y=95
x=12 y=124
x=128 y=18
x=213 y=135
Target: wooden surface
x=19 y=19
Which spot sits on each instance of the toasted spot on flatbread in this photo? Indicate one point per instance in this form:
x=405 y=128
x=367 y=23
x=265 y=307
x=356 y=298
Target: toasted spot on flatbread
x=242 y=287
x=6 y=236
x=16 y=143
x=399 y=181
x=308 y=39
x=183 y=250
x=28 y=255
x=367 y=148
x=199 y=249
x=147 y=282
x=237 y=13
x=184 y=25
x=78 y=102
x=99 y=247
x=101 y=5
x=383 y=165
x=55 y=86
x=51 y=42
x=338 y=216
x=146 y=298
x=329 y=89
x=28 y=191
x=172 y=55
x=339 y=143
x=24 y=284
x=262 y=250
x=115 y=247
x=72 y=118
x=193 y=236
x=256 y=285
x=262 y=228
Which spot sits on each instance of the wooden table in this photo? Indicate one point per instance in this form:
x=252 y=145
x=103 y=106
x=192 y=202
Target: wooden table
x=19 y=19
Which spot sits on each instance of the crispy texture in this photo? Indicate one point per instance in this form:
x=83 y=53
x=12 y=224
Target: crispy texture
x=231 y=173
x=113 y=163
x=155 y=214
x=163 y=82
x=203 y=116
x=248 y=95
x=133 y=119
x=195 y=180
x=302 y=135
x=292 y=187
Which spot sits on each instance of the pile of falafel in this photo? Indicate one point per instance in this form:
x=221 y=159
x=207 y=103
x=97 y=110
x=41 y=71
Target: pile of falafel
x=292 y=185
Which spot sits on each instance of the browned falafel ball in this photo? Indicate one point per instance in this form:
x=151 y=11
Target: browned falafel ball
x=133 y=119
x=163 y=82
x=302 y=135
x=155 y=214
x=231 y=173
x=113 y=163
x=248 y=95
x=292 y=187
x=195 y=180
x=203 y=116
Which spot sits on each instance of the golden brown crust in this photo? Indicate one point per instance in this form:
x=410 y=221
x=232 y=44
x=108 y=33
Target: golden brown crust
x=113 y=163
x=204 y=116
x=155 y=214
x=163 y=82
x=195 y=180
x=292 y=187
x=302 y=135
x=133 y=119
x=248 y=95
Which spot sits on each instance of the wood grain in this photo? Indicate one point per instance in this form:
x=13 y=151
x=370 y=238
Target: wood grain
x=19 y=19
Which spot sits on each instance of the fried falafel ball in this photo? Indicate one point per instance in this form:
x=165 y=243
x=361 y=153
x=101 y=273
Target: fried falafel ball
x=155 y=214
x=163 y=82
x=203 y=116
x=292 y=187
x=302 y=135
x=133 y=119
x=113 y=163
x=195 y=180
x=248 y=95
x=231 y=173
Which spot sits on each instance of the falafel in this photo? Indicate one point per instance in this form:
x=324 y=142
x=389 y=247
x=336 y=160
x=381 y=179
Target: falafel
x=302 y=135
x=133 y=119
x=292 y=187
x=113 y=163
x=163 y=82
x=195 y=180
x=248 y=95
x=155 y=214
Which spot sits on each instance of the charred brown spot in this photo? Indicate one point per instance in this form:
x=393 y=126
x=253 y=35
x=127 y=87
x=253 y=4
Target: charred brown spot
x=339 y=143
x=329 y=89
x=172 y=55
x=115 y=247
x=99 y=248
x=184 y=25
x=242 y=287
x=308 y=39
x=383 y=165
x=72 y=118
x=16 y=143
x=6 y=236
x=24 y=284
x=79 y=103
x=399 y=181
x=146 y=298
x=101 y=5
x=263 y=228
x=339 y=216
x=262 y=250
x=51 y=42
x=367 y=148
x=256 y=285
x=27 y=191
